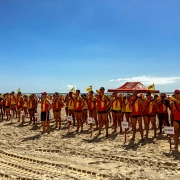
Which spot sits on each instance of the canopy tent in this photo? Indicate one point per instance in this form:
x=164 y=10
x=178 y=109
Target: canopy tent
x=129 y=87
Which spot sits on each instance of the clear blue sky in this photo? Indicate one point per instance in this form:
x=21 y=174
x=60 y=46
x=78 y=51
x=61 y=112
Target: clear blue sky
x=51 y=45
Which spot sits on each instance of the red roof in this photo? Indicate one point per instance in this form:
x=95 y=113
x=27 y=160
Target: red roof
x=129 y=87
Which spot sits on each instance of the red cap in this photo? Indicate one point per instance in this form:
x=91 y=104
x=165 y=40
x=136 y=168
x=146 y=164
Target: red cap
x=177 y=91
x=44 y=93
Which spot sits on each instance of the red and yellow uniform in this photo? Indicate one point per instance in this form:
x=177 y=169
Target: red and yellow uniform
x=136 y=106
x=150 y=108
x=102 y=103
x=13 y=100
x=7 y=102
x=116 y=104
x=177 y=112
x=127 y=106
x=57 y=104
x=31 y=104
x=70 y=103
x=45 y=105
x=162 y=107
x=78 y=104
x=19 y=102
x=92 y=104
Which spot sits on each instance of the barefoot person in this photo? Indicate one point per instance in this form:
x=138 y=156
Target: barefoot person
x=163 y=105
x=31 y=108
x=150 y=109
x=85 y=109
x=92 y=105
x=102 y=103
x=13 y=104
x=45 y=107
x=57 y=105
x=7 y=106
x=25 y=108
x=176 y=118
x=137 y=105
x=128 y=109
x=19 y=104
x=1 y=108
x=69 y=100
x=116 y=105
x=78 y=105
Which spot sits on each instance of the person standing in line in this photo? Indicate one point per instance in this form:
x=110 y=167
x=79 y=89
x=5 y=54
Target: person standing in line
x=102 y=103
x=176 y=118
x=92 y=107
x=149 y=112
x=13 y=104
x=116 y=106
x=78 y=105
x=45 y=107
x=163 y=105
x=137 y=105
x=19 y=104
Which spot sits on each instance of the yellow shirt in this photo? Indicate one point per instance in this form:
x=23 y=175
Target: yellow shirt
x=116 y=105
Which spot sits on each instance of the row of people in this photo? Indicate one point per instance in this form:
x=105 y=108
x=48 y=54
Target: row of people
x=99 y=105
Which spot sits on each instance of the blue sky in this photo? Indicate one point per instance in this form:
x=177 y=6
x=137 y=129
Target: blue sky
x=52 y=45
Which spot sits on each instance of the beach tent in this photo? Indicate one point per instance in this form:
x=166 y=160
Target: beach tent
x=129 y=87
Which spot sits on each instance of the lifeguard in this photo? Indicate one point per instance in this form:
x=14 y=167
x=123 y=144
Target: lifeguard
x=102 y=103
x=85 y=108
x=1 y=108
x=45 y=107
x=92 y=107
x=78 y=105
x=70 y=105
x=149 y=111
x=7 y=105
x=116 y=106
x=19 y=104
x=136 y=104
x=13 y=103
x=31 y=108
x=57 y=105
x=176 y=118
x=163 y=105
x=128 y=108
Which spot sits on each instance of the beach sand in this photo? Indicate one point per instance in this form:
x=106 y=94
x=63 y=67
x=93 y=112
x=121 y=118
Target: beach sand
x=26 y=154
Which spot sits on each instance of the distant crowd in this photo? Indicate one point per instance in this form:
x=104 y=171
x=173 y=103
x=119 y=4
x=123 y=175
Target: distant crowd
x=100 y=108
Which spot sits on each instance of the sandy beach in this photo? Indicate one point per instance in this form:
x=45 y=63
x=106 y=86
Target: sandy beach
x=26 y=154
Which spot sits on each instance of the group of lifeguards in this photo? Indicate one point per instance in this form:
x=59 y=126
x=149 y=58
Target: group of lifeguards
x=11 y=105
x=98 y=106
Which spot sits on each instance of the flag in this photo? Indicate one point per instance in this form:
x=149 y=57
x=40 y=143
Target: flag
x=89 y=89
x=151 y=87
x=72 y=90
x=19 y=90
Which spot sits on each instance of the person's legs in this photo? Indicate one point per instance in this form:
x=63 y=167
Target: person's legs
x=81 y=121
x=59 y=117
x=146 y=123
x=172 y=119
x=153 y=122
x=166 y=118
x=119 y=120
x=95 y=118
x=100 y=122
x=76 y=117
x=160 y=117
x=140 y=126
x=105 y=120
x=114 y=121
x=176 y=134
x=134 y=121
